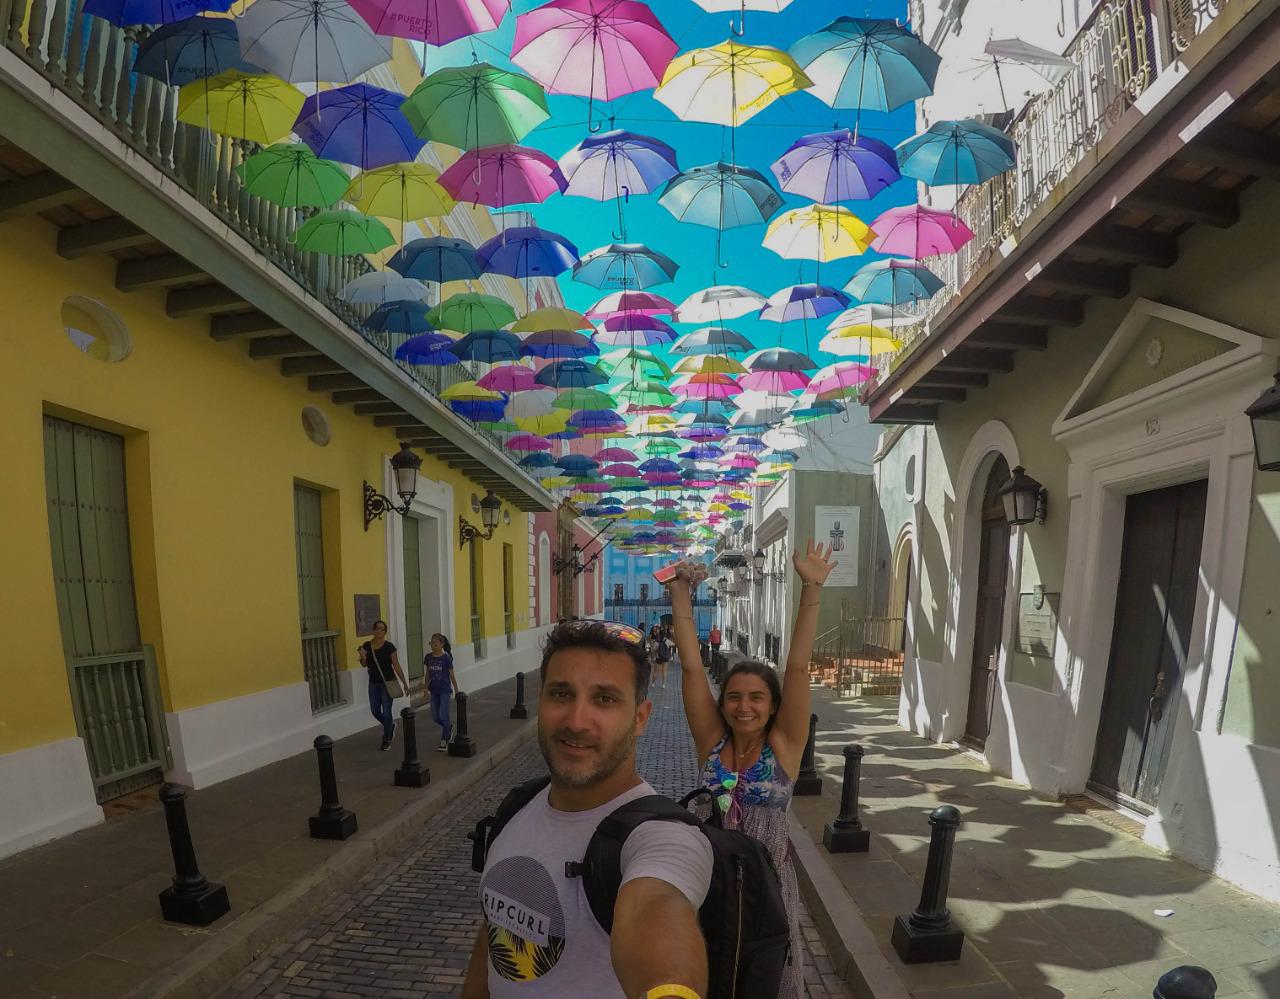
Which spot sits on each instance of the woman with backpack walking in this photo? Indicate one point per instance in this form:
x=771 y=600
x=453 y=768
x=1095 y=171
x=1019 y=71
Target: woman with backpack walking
x=751 y=738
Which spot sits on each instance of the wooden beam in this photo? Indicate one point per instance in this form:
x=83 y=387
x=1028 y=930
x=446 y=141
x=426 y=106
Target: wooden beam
x=202 y=300
x=380 y=409
x=280 y=346
x=1078 y=278
x=1048 y=311
x=156 y=272
x=247 y=324
x=1182 y=201
x=345 y=396
x=100 y=236
x=910 y=414
x=37 y=193
x=964 y=379
x=313 y=364
x=1009 y=336
x=1240 y=150
x=1128 y=246
x=933 y=393
x=327 y=383
x=976 y=359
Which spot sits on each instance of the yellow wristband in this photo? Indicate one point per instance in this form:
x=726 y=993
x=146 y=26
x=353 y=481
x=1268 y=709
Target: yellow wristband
x=670 y=992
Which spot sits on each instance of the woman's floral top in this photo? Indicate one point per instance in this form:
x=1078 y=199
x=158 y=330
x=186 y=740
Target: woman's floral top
x=764 y=783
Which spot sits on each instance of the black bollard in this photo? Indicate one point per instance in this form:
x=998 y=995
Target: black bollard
x=332 y=821
x=1186 y=982
x=808 y=781
x=845 y=834
x=462 y=744
x=519 y=710
x=411 y=772
x=927 y=934
x=192 y=899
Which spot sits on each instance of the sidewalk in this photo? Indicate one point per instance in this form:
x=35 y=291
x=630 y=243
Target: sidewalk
x=80 y=917
x=1053 y=902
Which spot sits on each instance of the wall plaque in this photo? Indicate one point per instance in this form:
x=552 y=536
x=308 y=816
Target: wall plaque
x=1037 y=624
x=368 y=610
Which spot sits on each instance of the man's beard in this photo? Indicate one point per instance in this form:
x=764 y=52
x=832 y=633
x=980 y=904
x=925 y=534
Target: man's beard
x=607 y=765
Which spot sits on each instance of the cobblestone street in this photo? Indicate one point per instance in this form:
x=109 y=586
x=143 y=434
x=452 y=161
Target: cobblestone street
x=407 y=928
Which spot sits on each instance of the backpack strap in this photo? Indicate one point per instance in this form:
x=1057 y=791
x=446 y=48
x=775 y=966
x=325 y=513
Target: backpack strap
x=601 y=868
x=488 y=828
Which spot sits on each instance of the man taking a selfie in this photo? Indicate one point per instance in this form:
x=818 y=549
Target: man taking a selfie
x=539 y=936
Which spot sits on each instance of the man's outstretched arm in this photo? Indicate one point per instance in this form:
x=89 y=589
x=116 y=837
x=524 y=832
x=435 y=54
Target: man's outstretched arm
x=476 y=984
x=656 y=939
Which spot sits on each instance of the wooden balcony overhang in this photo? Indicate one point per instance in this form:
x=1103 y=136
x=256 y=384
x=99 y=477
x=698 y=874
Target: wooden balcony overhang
x=1168 y=164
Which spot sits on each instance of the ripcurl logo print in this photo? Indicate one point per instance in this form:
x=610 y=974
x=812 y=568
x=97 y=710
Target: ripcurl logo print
x=523 y=919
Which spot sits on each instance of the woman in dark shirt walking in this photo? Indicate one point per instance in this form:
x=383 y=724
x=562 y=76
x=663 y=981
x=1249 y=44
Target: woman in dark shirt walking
x=380 y=659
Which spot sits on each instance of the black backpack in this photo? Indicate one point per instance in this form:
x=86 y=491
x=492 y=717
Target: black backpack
x=743 y=918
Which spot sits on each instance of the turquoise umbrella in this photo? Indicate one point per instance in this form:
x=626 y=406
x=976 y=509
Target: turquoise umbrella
x=957 y=152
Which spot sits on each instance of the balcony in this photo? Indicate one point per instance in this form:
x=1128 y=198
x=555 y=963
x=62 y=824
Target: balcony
x=100 y=153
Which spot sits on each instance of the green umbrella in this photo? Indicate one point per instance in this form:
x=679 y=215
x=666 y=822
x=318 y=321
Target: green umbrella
x=480 y=105
x=469 y=311
x=632 y=364
x=342 y=232
x=658 y=446
x=583 y=398
x=644 y=393
x=499 y=427
x=293 y=176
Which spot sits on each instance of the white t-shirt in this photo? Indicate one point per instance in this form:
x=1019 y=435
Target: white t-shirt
x=543 y=939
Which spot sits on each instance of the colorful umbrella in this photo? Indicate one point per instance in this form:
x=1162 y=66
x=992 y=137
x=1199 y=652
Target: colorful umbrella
x=893 y=282
x=834 y=166
x=503 y=175
x=916 y=231
x=358 y=124
x=434 y=21
x=401 y=191
x=859 y=342
x=721 y=196
x=437 y=259
x=534 y=443
x=630 y=364
x=625 y=265
x=508 y=378
x=584 y=398
x=558 y=344
x=866 y=63
x=550 y=318
x=191 y=49
x=527 y=251
x=342 y=232
x=310 y=41
x=626 y=330
x=774 y=382
x=617 y=163
x=696 y=364
x=779 y=359
x=641 y=302
x=803 y=301
x=293 y=176
x=381 y=287
x=840 y=377
x=718 y=303
x=818 y=232
x=488 y=346
x=742 y=6
x=957 y=152
x=728 y=83
x=126 y=13
x=644 y=394
x=571 y=374
x=258 y=108
x=477 y=105
x=399 y=317
x=428 y=349
x=870 y=314
x=469 y=311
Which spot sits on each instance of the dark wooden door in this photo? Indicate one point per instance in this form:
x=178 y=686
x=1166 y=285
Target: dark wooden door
x=988 y=625
x=1155 y=601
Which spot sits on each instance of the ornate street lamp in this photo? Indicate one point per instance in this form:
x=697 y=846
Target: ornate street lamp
x=757 y=561
x=1024 y=499
x=490 y=507
x=404 y=469
x=1264 y=414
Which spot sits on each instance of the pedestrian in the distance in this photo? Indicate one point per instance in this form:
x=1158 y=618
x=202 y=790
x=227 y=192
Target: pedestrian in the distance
x=386 y=680
x=442 y=683
x=714 y=639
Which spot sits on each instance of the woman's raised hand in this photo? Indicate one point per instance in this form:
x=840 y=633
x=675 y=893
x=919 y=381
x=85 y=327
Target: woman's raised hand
x=815 y=565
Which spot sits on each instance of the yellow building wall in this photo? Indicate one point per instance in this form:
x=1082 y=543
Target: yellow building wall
x=214 y=445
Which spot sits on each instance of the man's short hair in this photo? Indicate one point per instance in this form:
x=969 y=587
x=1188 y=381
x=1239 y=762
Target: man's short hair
x=607 y=636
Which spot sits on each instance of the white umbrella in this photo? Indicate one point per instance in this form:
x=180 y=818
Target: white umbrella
x=1008 y=74
x=536 y=402
x=871 y=314
x=760 y=407
x=719 y=302
x=380 y=287
x=310 y=41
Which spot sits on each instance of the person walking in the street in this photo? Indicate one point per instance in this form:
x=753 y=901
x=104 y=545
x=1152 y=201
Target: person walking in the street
x=662 y=650
x=442 y=683
x=713 y=639
x=753 y=737
x=539 y=937
x=386 y=680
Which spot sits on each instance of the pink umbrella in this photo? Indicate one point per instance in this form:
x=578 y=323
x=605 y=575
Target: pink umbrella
x=593 y=487
x=643 y=303
x=916 y=231
x=620 y=469
x=498 y=176
x=528 y=442
x=775 y=382
x=598 y=49
x=509 y=378
x=739 y=461
x=434 y=21
x=841 y=376
x=706 y=390
x=615 y=454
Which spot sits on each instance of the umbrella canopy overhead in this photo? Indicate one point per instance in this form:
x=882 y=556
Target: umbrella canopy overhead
x=625 y=265
x=191 y=49
x=721 y=195
x=293 y=176
x=718 y=303
x=437 y=259
x=527 y=251
x=617 y=164
x=358 y=124
x=835 y=166
x=893 y=282
x=818 y=232
x=803 y=301
x=957 y=152
x=310 y=41
x=867 y=63
x=259 y=107
x=469 y=311
x=916 y=231
x=503 y=175
x=472 y=106
x=437 y=22
x=728 y=83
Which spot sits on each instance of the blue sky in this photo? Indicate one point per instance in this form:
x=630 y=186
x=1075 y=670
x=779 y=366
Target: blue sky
x=589 y=224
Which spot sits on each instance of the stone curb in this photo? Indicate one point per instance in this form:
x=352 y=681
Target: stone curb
x=214 y=965
x=849 y=941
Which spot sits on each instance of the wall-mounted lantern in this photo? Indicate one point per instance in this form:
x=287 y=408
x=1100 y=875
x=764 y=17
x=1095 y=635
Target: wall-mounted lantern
x=757 y=563
x=1264 y=414
x=490 y=508
x=404 y=469
x=559 y=565
x=1025 y=500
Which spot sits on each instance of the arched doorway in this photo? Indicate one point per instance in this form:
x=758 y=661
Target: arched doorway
x=988 y=625
x=899 y=593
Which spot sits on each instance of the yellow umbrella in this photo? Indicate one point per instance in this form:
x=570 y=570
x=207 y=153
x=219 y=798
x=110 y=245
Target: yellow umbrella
x=699 y=364
x=548 y=423
x=818 y=232
x=550 y=319
x=728 y=83
x=259 y=108
x=403 y=191
x=469 y=391
x=863 y=339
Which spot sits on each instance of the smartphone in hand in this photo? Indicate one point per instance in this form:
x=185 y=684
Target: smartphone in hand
x=666 y=573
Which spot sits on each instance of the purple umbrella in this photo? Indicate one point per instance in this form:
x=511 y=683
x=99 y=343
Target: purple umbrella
x=803 y=301
x=358 y=124
x=834 y=166
x=559 y=344
x=130 y=12
x=629 y=329
x=428 y=349
x=502 y=175
x=434 y=21
x=616 y=164
x=527 y=251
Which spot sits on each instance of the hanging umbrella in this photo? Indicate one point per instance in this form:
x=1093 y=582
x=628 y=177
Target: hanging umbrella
x=489 y=346
x=707 y=390
x=503 y=175
x=534 y=443
x=626 y=330
x=532 y=403
x=570 y=374
x=293 y=176
x=436 y=22
x=192 y=49
x=774 y=382
x=527 y=251
x=818 y=232
x=803 y=301
x=870 y=314
x=630 y=364
x=1004 y=77
x=342 y=232
x=625 y=265
x=477 y=105
x=429 y=349
x=509 y=378
x=867 y=63
x=468 y=311
x=644 y=394
x=779 y=359
x=718 y=303
x=620 y=469
x=721 y=196
x=916 y=231
x=615 y=454
x=551 y=318
x=862 y=342
x=558 y=344
x=893 y=282
x=597 y=49
x=399 y=317
x=126 y=13
x=584 y=398
x=834 y=166
x=957 y=152
x=640 y=302
x=358 y=124
x=696 y=364
x=728 y=83
x=742 y=6
x=617 y=164
x=469 y=391
x=380 y=287
x=310 y=41
x=259 y=108
x=841 y=376
x=437 y=259
x=401 y=191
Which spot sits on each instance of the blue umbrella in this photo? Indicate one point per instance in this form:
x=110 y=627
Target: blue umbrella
x=438 y=259
x=577 y=463
x=537 y=459
x=625 y=265
x=596 y=421
x=722 y=196
x=129 y=12
x=434 y=349
x=358 y=124
x=893 y=282
x=867 y=63
x=779 y=359
x=488 y=346
x=803 y=301
x=527 y=251
x=194 y=49
x=957 y=152
x=658 y=465
x=617 y=164
x=570 y=374
x=400 y=317
x=478 y=410
x=561 y=344
x=831 y=167
x=711 y=407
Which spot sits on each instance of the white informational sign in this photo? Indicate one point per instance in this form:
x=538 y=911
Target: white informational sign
x=837 y=526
